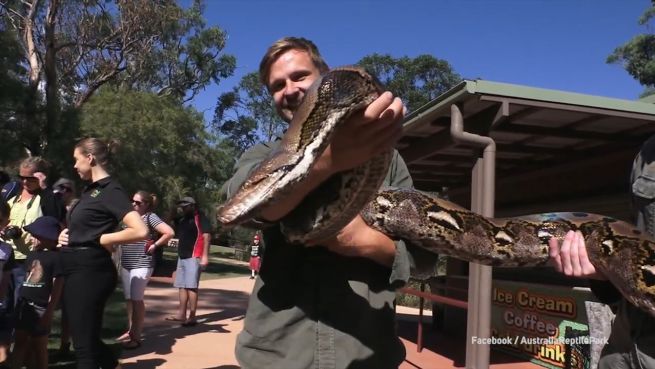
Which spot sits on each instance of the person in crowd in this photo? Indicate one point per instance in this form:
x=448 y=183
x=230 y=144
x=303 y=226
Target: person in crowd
x=631 y=344
x=32 y=202
x=193 y=234
x=65 y=188
x=330 y=305
x=39 y=295
x=93 y=230
x=9 y=188
x=137 y=265
x=255 y=256
x=6 y=265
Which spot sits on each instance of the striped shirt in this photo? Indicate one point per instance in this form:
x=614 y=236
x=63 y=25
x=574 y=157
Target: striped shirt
x=133 y=255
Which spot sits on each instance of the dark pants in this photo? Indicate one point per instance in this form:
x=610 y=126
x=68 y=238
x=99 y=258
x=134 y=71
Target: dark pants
x=90 y=279
x=18 y=275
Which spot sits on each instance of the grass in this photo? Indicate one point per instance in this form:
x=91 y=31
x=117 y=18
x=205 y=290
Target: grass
x=114 y=324
x=218 y=267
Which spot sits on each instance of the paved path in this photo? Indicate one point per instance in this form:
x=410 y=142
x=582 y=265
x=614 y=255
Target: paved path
x=210 y=344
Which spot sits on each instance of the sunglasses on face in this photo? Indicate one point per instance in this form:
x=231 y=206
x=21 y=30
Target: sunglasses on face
x=24 y=178
x=136 y=202
x=64 y=189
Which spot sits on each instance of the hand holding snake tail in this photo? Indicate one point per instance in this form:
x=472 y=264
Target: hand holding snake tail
x=622 y=253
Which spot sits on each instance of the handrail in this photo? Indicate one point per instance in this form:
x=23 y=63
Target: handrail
x=436 y=298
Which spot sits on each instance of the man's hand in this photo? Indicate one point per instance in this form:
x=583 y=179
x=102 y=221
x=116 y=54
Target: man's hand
x=204 y=261
x=357 y=239
x=571 y=257
x=42 y=179
x=365 y=135
x=63 y=238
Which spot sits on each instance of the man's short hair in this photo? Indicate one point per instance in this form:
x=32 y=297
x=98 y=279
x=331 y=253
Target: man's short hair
x=285 y=44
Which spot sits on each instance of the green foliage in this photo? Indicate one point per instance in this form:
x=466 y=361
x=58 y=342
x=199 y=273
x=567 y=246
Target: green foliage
x=14 y=126
x=80 y=46
x=246 y=114
x=416 y=80
x=637 y=55
x=163 y=145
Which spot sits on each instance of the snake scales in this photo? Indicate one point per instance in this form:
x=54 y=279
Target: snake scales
x=617 y=249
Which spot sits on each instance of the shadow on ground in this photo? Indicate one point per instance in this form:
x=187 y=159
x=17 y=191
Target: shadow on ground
x=162 y=335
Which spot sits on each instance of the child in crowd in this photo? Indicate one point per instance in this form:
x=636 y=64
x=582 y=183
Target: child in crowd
x=255 y=258
x=39 y=294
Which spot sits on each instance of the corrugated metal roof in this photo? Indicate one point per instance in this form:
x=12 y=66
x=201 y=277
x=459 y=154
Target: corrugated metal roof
x=536 y=131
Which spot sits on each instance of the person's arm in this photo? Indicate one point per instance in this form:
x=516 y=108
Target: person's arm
x=205 y=229
x=135 y=230
x=204 y=259
x=166 y=234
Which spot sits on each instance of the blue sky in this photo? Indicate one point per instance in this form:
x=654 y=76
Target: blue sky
x=555 y=44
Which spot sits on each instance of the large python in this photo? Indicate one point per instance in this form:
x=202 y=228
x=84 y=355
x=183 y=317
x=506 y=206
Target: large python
x=617 y=249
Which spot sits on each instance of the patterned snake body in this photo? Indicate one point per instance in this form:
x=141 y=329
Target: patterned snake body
x=617 y=249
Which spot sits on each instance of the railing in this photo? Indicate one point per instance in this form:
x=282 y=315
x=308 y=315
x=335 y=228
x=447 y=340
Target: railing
x=422 y=295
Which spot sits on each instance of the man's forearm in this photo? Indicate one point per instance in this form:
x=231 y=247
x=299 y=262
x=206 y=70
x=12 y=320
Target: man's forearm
x=206 y=243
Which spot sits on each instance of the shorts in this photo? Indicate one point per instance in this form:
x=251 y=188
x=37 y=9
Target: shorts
x=255 y=261
x=135 y=282
x=28 y=316
x=187 y=274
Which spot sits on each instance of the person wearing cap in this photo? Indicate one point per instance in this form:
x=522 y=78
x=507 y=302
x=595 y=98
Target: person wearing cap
x=193 y=232
x=30 y=203
x=39 y=294
x=255 y=259
x=65 y=188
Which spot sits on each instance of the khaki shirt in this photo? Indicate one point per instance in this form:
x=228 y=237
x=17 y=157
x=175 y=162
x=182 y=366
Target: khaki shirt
x=311 y=308
x=23 y=213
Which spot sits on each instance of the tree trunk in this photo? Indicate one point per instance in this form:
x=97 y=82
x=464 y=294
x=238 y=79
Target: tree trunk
x=31 y=143
x=51 y=85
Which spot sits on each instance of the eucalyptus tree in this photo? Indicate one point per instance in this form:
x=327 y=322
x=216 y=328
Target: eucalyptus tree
x=72 y=48
x=416 y=80
x=163 y=146
x=637 y=56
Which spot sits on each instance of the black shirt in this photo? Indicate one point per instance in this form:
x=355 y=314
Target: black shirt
x=41 y=267
x=189 y=230
x=102 y=206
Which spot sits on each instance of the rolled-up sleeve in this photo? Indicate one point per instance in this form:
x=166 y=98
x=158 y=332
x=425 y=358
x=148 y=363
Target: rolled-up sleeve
x=245 y=165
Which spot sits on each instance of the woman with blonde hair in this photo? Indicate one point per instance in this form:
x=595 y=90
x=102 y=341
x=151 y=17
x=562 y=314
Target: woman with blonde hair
x=88 y=242
x=137 y=264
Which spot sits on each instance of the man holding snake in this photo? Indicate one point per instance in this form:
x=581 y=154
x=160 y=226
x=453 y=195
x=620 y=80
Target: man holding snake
x=328 y=304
